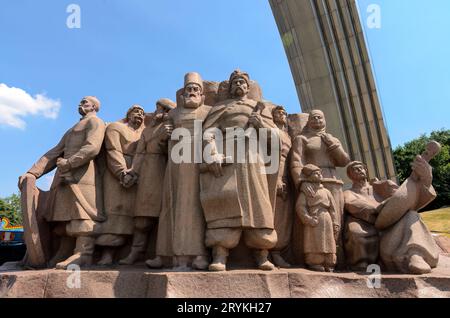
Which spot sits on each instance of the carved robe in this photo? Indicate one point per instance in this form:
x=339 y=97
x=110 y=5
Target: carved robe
x=81 y=202
x=284 y=207
x=150 y=163
x=120 y=142
x=181 y=229
x=244 y=196
x=320 y=238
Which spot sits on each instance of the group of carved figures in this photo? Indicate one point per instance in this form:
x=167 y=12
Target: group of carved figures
x=117 y=183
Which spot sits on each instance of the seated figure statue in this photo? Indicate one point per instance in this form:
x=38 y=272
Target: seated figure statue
x=383 y=222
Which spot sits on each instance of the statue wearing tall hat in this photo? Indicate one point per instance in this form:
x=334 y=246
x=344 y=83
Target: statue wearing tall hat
x=181 y=228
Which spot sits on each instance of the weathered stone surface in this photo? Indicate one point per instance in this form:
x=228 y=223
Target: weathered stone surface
x=443 y=243
x=296 y=283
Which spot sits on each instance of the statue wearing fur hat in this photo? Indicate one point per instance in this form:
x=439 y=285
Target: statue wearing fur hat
x=228 y=185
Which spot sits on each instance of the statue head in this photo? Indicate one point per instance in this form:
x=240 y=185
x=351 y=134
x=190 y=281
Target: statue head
x=89 y=104
x=163 y=106
x=193 y=90
x=135 y=116
x=239 y=84
x=357 y=171
x=279 y=115
x=316 y=120
x=312 y=173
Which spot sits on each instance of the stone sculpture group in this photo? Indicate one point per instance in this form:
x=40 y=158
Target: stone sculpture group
x=121 y=194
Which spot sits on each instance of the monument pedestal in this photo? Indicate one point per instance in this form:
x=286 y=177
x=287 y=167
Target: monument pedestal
x=140 y=282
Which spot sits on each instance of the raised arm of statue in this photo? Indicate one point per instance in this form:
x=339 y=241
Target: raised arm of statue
x=336 y=152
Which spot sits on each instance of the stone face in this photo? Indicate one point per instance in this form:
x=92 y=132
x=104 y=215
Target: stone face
x=138 y=282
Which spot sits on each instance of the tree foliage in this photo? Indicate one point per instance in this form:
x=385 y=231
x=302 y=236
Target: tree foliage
x=404 y=156
x=10 y=208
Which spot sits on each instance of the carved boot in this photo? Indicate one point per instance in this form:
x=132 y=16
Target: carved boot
x=262 y=260
x=107 y=257
x=83 y=253
x=200 y=263
x=279 y=260
x=329 y=269
x=219 y=263
x=317 y=268
x=156 y=262
x=181 y=263
x=137 y=248
x=66 y=247
x=418 y=266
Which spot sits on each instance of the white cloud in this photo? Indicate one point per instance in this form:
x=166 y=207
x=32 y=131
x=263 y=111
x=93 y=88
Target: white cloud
x=15 y=104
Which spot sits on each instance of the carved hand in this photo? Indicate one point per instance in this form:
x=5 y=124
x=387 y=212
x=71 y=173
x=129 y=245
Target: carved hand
x=328 y=139
x=256 y=121
x=128 y=178
x=282 y=190
x=423 y=170
x=312 y=221
x=63 y=165
x=308 y=189
x=216 y=165
x=168 y=129
x=336 y=230
x=22 y=179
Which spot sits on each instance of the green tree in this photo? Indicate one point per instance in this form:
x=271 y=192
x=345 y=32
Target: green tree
x=405 y=154
x=10 y=208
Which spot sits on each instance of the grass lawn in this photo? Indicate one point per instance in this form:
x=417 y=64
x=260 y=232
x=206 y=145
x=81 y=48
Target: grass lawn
x=438 y=221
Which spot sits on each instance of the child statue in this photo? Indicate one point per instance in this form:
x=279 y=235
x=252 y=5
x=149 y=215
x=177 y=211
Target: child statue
x=317 y=210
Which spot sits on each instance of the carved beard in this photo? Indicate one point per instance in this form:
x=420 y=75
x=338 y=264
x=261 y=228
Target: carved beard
x=192 y=101
x=242 y=91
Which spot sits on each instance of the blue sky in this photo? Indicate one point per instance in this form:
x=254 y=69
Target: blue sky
x=137 y=51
